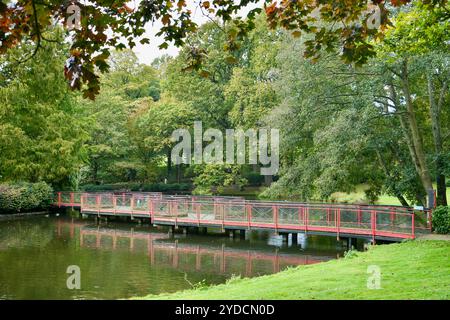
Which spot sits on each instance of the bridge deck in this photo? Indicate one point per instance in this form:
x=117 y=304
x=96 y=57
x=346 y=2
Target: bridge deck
x=375 y=222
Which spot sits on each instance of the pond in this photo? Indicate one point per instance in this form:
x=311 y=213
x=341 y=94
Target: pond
x=123 y=260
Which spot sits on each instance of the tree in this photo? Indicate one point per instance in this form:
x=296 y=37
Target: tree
x=151 y=127
x=420 y=41
x=212 y=178
x=204 y=90
x=131 y=79
x=350 y=26
x=389 y=131
x=111 y=153
x=250 y=92
x=39 y=118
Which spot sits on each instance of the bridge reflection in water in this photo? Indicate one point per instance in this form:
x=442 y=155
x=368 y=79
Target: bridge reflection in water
x=217 y=255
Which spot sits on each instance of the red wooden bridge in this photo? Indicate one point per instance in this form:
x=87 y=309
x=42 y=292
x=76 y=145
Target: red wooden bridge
x=352 y=221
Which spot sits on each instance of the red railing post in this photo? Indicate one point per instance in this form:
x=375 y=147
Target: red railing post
x=338 y=224
x=434 y=199
x=413 y=227
x=59 y=199
x=97 y=200
x=176 y=219
x=132 y=205
x=275 y=217
x=150 y=207
x=81 y=202
x=223 y=217
x=71 y=199
x=197 y=210
x=249 y=215
x=430 y=220
x=299 y=216
x=392 y=217
x=374 y=225
x=114 y=200
x=306 y=217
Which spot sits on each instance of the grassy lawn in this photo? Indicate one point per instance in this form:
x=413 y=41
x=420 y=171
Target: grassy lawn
x=358 y=196
x=409 y=270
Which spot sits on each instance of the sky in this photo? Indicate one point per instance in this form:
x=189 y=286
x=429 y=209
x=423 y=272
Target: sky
x=148 y=52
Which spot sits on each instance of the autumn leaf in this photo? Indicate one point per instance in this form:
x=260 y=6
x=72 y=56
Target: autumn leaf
x=165 y=19
x=271 y=9
x=206 y=4
x=181 y=4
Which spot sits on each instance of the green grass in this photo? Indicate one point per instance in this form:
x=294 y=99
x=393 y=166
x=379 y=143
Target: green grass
x=358 y=196
x=409 y=270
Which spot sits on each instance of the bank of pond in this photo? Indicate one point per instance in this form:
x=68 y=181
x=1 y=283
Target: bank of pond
x=41 y=256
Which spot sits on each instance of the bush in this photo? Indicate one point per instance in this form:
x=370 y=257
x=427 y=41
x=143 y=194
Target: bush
x=23 y=197
x=254 y=179
x=441 y=220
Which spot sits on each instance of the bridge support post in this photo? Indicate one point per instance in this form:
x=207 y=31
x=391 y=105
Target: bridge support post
x=295 y=238
x=302 y=240
x=229 y=232
x=284 y=236
x=242 y=234
x=289 y=239
x=352 y=243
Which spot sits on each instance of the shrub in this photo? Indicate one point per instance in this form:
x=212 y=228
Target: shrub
x=254 y=179
x=20 y=197
x=441 y=220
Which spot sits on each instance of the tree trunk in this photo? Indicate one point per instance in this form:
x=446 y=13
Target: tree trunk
x=169 y=164
x=403 y=118
x=416 y=138
x=95 y=171
x=435 y=115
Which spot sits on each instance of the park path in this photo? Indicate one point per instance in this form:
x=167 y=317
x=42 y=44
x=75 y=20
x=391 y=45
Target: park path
x=433 y=236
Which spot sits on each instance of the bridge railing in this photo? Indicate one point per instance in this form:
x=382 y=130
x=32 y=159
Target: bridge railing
x=375 y=221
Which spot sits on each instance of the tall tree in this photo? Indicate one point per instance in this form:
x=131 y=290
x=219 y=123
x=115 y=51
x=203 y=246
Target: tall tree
x=151 y=128
x=39 y=119
x=420 y=41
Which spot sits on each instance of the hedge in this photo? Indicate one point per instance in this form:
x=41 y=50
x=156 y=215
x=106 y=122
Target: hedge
x=25 y=197
x=441 y=220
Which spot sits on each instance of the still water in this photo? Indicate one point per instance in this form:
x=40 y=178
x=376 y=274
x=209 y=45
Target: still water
x=120 y=260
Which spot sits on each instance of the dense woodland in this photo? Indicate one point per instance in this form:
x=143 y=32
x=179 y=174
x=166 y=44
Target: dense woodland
x=384 y=124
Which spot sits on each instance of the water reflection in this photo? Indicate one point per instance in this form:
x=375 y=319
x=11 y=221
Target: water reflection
x=183 y=255
x=122 y=260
